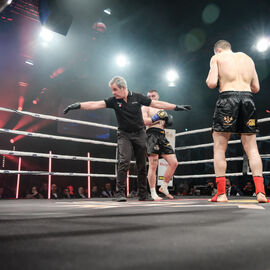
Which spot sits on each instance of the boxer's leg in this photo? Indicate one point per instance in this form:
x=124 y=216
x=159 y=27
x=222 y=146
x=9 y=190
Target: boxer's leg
x=173 y=163
x=152 y=176
x=220 y=145
x=255 y=162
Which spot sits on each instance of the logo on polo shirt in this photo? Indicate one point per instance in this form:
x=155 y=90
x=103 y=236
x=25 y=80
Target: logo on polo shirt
x=119 y=104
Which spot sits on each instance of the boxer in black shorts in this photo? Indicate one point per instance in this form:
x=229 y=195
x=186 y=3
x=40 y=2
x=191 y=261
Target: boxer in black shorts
x=235 y=112
x=158 y=146
x=157 y=142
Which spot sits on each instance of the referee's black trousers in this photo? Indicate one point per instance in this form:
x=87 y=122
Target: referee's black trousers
x=129 y=142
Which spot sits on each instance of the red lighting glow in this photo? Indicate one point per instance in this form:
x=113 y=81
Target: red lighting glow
x=57 y=72
x=23 y=84
x=32 y=129
x=11 y=140
x=20 y=103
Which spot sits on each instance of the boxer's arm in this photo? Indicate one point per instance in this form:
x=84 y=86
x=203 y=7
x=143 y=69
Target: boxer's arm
x=254 y=84
x=93 y=105
x=169 y=106
x=162 y=105
x=146 y=117
x=212 y=78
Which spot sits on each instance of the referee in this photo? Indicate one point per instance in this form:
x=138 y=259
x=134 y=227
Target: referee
x=131 y=130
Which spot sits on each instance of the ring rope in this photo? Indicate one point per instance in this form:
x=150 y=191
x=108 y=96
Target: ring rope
x=263 y=138
x=41 y=135
x=43 y=155
x=61 y=119
x=212 y=175
x=212 y=160
x=193 y=131
x=267 y=119
x=60 y=173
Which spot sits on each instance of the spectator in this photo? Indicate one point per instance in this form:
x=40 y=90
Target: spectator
x=34 y=194
x=211 y=190
x=95 y=192
x=55 y=193
x=80 y=194
x=66 y=194
x=107 y=192
x=231 y=190
x=249 y=189
x=44 y=190
x=71 y=190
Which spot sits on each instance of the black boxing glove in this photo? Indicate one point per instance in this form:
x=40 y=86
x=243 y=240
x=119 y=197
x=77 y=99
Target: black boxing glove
x=160 y=115
x=74 y=106
x=168 y=121
x=182 y=108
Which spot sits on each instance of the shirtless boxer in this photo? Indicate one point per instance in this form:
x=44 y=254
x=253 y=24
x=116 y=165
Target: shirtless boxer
x=235 y=112
x=158 y=146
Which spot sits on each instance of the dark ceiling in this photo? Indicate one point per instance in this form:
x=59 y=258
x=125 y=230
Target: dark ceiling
x=154 y=34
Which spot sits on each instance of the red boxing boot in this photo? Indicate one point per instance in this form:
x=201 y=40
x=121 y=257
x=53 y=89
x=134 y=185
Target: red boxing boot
x=259 y=186
x=221 y=187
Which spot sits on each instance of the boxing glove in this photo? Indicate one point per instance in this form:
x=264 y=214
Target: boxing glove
x=74 y=106
x=168 y=121
x=160 y=115
x=182 y=108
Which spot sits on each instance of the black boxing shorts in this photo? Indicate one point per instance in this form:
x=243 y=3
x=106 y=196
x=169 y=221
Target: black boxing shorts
x=157 y=143
x=235 y=112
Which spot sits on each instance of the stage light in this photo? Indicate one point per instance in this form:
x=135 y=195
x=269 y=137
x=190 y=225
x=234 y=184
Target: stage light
x=263 y=44
x=121 y=60
x=46 y=34
x=108 y=11
x=12 y=141
x=9 y=2
x=172 y=76
x=29 y=62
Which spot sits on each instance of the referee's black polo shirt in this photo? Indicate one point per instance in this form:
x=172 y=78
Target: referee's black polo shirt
x=129 y=115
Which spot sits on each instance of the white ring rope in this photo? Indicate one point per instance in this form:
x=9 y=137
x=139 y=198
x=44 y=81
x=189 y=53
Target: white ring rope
x=212 y=160
x=41 y=135
x=267 y=119
x=193 y=131
x=60 y=173
x=61 y=119
x=55 y=156
x=263 y=138
x=43 y=155
x=212 y=175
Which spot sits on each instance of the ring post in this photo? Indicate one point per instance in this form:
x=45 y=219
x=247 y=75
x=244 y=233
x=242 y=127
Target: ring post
x=127 y=183
x=50 y=177
x=18 y=178
x=88 y=177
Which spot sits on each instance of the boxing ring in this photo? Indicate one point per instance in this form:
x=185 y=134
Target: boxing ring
x=51 y=156
x=189 y=232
